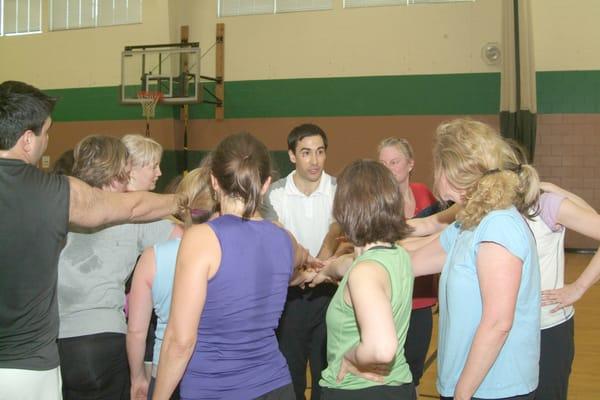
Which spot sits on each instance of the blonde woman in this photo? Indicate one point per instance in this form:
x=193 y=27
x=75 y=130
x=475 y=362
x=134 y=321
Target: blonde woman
x=92 y=270
x=489 y=335
x=145 y=155
x=396 y=155
x=153 y=282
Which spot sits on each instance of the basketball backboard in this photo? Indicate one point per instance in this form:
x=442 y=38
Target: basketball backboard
x=171 y=69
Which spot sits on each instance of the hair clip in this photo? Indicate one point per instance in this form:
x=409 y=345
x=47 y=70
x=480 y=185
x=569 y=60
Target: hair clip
x=491 y=171
x=517 y=169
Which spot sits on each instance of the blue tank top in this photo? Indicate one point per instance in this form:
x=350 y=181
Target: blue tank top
x=237 y=355
x=162 y=289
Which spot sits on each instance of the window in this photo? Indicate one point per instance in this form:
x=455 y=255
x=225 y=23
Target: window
x=73 y=14
x=282 y=6
x=229 y=8
x=19 y=17
x=375 y=3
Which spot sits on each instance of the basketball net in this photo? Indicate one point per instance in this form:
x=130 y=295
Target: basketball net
x=149 y=100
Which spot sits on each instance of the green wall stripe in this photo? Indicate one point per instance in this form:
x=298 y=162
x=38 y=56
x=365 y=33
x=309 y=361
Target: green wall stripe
x=450 y=94
x=98 y=104
x=365 y=96
x=362 y=96
x=568 y=92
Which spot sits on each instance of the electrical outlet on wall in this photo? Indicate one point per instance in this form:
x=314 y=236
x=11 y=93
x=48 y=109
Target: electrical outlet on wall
x=45 y=161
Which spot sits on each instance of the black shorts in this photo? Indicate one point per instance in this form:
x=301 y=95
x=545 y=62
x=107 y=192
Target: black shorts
x=382 y=392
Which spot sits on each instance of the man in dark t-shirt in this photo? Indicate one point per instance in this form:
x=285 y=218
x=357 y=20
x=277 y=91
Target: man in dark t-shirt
x=36 y=209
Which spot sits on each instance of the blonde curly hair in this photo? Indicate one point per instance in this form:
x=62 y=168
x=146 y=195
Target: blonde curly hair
x=475 y=159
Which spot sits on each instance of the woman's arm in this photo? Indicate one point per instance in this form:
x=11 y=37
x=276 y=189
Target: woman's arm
x=197 y=260
x=433 y=223
x=369 y=293
x=330 y=241
x=428 y=259
x=550 y=187
x=499 y=274
x=415 y=243
x=586 y=221
x=140 y=312
x=333 y=270
x=305 y=265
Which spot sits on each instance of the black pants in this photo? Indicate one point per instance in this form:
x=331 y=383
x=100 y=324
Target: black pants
x=417 y=342
x=529 y=396
x=556 y=357
x=283 y=393
x=383 y=392
x=94 y=367
x=302 y=335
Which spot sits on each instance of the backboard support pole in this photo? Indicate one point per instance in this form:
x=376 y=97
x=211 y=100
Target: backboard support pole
x=220 y=72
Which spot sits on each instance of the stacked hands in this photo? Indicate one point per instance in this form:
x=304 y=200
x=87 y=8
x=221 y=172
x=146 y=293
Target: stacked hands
x=308 y=271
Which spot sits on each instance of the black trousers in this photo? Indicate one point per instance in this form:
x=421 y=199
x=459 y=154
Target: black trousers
x=94 y=367
x=283 y=393
x=417 y=342
x=529 y=396
x=556 y=357
x=383 y=392
x=302 y=335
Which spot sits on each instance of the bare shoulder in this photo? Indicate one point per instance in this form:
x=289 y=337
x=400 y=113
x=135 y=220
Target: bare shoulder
x=200 y=240
x=368 y=271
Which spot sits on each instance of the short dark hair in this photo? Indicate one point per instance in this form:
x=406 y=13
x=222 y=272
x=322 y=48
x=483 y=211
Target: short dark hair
x=64 y=164
x=302 y=131
x=368 y=204
x=242 y=164
x=22 y=108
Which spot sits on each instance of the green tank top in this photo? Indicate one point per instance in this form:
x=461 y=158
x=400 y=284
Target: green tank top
x=342 y=329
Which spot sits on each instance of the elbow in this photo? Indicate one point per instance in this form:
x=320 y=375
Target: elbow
x=179 y=347
x=499 y=325
x=384 y=351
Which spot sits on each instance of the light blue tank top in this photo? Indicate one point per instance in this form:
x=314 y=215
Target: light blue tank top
x=162 y=288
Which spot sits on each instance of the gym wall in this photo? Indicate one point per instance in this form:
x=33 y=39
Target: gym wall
x=362 y=74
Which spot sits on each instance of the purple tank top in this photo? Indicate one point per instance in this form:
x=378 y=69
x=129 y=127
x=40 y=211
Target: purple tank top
x=237 y=355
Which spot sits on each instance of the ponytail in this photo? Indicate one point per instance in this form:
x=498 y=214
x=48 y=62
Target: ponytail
x=241 y=165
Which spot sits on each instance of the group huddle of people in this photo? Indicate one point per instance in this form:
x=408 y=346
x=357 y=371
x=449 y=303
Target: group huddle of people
x=234 y=285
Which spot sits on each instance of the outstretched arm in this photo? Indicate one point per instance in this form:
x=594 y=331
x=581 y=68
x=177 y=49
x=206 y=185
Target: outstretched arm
x=428 y=259
x=330 y=242
x=91 y=207
x=333 y=270
x=433 y=223
x=551 y=187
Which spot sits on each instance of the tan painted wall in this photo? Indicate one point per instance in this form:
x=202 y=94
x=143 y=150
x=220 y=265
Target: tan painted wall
x=424 y=39
x=79 y=57
x=436 y=38
x=566 y=34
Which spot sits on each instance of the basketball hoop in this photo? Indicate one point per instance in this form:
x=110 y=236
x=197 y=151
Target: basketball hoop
x=149 y=100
